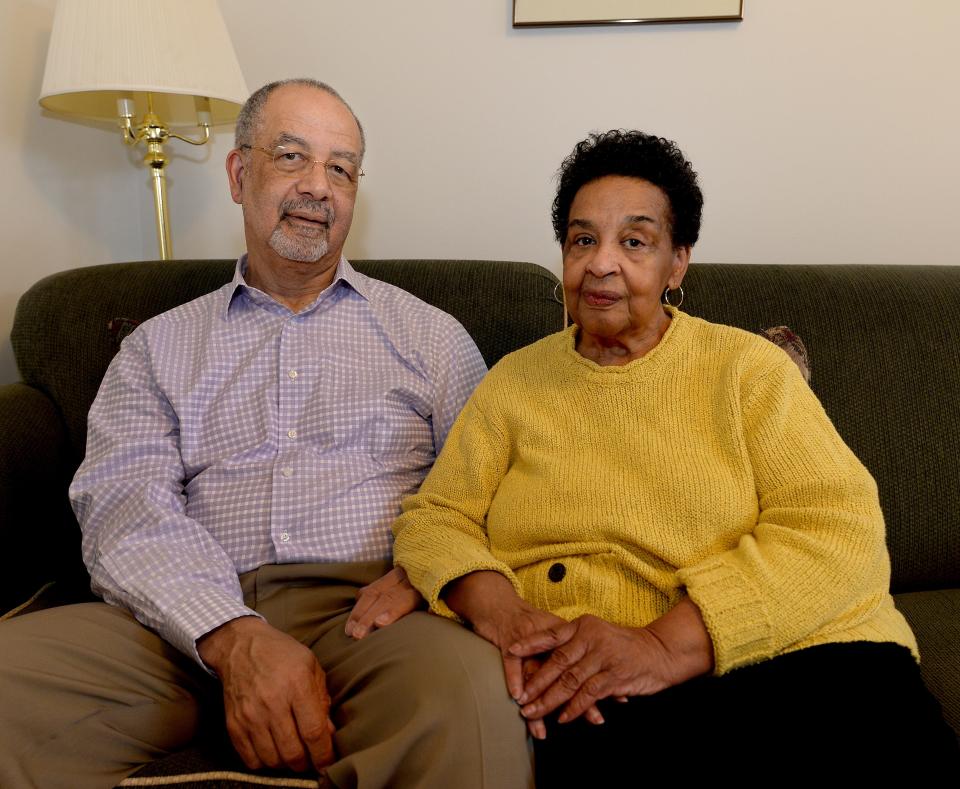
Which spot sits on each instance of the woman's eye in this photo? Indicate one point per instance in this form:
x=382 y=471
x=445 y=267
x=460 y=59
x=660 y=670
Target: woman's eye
x=634 y=243
x=582 y=241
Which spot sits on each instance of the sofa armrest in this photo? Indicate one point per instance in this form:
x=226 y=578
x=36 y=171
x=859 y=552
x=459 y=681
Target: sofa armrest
x=40 y=536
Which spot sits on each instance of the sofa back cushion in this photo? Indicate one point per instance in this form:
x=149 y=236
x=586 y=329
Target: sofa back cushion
x=885 y=363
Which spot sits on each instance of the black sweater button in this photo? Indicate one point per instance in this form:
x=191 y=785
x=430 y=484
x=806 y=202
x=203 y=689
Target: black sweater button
x=556 y=572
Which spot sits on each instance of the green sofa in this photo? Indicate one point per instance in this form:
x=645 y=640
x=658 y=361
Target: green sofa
x=885 y=361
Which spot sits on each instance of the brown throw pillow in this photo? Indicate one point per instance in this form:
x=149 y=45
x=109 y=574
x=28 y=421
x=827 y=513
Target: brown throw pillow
x=793 y=345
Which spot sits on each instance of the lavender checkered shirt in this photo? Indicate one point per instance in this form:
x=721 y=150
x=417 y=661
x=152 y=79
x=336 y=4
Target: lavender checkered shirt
x=229 y=433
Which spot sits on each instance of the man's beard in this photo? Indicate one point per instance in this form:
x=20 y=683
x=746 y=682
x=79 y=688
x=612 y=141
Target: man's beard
x=290 y=244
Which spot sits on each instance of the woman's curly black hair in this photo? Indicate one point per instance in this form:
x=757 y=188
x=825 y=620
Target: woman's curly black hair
x=635 y=155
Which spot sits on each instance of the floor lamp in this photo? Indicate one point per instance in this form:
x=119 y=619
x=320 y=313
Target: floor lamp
x=149 y=66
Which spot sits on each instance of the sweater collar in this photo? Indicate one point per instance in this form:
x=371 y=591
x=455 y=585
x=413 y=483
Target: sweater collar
x=656 y=357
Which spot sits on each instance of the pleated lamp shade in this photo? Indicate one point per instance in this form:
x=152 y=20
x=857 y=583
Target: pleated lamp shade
x=176 y=50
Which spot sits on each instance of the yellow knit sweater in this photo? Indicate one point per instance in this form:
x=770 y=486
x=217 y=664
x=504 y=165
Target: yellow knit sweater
x=706 y=468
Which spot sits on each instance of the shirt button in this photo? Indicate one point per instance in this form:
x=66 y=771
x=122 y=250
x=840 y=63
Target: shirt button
x=556 y=572
x=293 y=374
x=291 y=433
x=287 y=471
x=284 y=536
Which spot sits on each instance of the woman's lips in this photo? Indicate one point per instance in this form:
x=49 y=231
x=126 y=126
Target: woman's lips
x=599 y=298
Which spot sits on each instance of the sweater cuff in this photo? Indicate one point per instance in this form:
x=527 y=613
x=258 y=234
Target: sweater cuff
x=432 y=580
x=733 y=612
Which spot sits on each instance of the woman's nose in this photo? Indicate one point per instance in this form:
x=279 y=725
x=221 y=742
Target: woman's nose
x=604 y=261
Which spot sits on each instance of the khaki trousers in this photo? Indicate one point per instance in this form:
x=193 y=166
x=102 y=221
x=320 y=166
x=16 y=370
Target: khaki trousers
x=88 y=695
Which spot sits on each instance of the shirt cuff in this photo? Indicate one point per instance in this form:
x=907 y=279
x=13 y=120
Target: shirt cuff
x=198 y=615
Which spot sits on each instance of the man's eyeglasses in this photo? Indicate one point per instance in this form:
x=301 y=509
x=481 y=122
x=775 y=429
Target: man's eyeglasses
x=291 y=161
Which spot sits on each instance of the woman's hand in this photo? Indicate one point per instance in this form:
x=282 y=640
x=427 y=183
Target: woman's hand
x=489 y=602
x=592 y=659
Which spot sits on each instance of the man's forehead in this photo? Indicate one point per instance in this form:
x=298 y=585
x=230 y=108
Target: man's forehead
x=308 y=115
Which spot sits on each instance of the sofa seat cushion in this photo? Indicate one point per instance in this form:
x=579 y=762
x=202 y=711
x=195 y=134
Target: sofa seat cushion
x=935 y=619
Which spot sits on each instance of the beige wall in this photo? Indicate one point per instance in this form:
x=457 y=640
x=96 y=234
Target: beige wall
x=824 y=131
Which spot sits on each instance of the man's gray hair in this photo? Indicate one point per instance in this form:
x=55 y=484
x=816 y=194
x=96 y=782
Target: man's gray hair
x=248 y=121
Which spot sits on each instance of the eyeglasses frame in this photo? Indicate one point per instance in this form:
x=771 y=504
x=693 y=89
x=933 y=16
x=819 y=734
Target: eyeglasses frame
x=313 y=163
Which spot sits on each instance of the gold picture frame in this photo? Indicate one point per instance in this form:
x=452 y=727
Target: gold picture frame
x=549 y=13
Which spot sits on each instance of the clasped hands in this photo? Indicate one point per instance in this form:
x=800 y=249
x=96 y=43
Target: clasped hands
x=550 y=663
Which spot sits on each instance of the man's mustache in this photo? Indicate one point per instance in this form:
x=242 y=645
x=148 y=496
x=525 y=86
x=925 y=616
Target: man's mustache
x=318 y=210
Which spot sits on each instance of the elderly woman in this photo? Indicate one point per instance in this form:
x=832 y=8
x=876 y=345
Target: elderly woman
x=653 y=519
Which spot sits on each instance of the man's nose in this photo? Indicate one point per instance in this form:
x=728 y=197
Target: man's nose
x=315 y=182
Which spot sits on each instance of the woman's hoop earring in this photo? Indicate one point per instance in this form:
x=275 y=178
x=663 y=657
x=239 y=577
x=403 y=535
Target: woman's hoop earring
x=666 y=296
x=560 y=297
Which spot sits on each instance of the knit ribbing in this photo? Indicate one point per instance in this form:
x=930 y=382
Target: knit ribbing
x=706 y=468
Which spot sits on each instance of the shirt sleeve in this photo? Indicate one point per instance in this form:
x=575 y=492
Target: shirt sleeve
x=458 y=369
x=441 y=534
x=817 y=554
x=142 y=550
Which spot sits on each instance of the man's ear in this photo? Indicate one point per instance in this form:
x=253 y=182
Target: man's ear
x=235 y=172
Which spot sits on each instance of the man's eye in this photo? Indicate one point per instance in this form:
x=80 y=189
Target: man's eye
x=582 y=241
x=289 y=157
x=634 y=243
x=338 y=169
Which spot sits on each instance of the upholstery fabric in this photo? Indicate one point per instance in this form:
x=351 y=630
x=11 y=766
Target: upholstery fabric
x=935 y=619
x=35 y=515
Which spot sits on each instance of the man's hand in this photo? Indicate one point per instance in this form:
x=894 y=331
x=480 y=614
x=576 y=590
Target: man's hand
x=592 y=659
x=274 y=694
x=382 y=603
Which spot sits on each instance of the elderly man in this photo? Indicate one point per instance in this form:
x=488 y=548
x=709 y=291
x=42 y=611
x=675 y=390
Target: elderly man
x=247 y=453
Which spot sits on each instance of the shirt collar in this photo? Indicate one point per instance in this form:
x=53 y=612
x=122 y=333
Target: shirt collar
x=346 y=275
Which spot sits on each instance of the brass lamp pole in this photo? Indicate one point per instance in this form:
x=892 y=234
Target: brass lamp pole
x=154 y=133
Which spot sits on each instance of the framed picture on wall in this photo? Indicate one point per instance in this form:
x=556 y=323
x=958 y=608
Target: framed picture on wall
x=542 y=13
